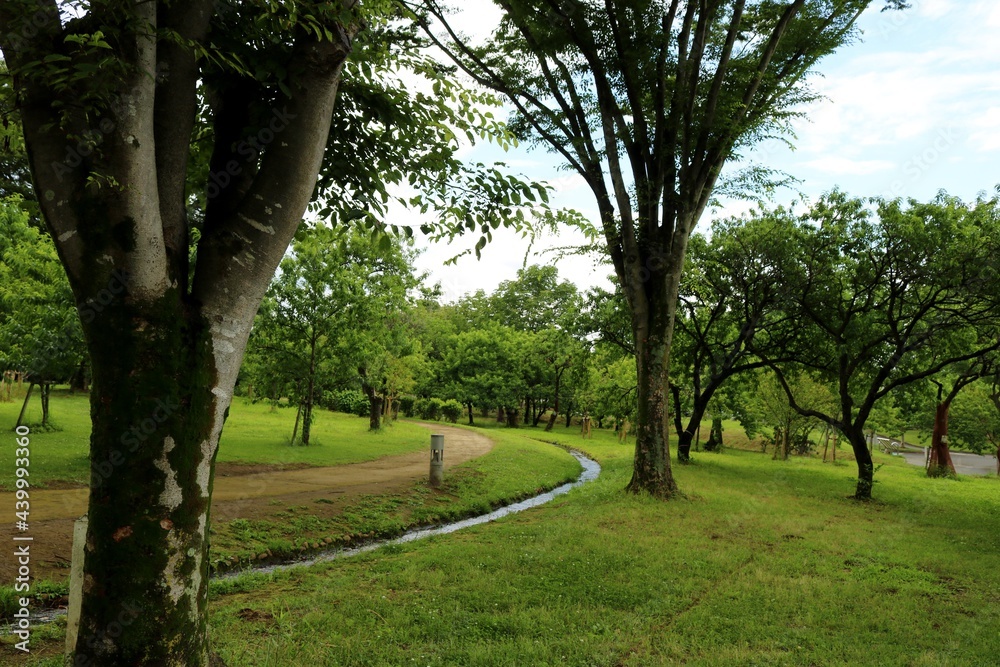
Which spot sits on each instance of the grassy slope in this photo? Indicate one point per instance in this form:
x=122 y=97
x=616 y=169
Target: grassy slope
x=253 y=434
x=765 y=563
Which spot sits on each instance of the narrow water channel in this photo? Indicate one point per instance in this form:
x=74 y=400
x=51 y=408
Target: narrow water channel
x=591 y=469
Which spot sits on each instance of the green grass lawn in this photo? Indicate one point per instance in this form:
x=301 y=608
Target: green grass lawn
x=762 y=563
x=254 y=433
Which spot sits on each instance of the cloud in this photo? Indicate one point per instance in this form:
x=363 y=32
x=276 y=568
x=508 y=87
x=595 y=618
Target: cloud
x=985 y=136
x=842 y=165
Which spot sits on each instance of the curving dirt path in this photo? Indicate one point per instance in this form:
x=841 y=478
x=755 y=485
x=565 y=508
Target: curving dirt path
x=248 y=493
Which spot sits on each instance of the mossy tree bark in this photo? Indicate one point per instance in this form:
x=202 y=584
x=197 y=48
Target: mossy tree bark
x=165 y=342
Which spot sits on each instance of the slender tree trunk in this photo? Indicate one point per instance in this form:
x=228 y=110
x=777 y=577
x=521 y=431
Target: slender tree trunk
x=786 y=440
x=310 y=390
x=569 y=414
x=469 y=406
x=500 y=415
x=307 y=413
x=940 y=464
x=45 y=389
x=555 y=407
x=539 y=413
x=295 y=429
x=836 y=443
x=866 y=468
x=24 y=406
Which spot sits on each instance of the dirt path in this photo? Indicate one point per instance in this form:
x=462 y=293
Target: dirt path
x=253 y=494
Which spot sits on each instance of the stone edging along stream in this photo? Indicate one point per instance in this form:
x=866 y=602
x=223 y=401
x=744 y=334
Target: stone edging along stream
x=591 y=469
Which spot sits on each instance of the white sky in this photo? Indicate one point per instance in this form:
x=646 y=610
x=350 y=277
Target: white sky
x=912 y=109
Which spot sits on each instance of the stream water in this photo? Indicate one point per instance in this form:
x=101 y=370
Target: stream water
x=591 y=469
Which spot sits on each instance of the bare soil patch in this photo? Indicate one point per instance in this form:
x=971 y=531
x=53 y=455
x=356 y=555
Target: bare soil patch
x=247 y=492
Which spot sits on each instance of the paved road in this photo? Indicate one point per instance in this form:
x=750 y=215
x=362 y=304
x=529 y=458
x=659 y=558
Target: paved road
x=965 y=464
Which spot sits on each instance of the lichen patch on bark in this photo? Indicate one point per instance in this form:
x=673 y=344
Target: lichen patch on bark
x=172 y=495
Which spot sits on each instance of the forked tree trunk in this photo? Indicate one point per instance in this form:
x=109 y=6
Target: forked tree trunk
x=940 y=463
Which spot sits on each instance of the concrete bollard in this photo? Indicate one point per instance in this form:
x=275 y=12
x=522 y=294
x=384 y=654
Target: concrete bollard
x=75 y=583
x=437 y=460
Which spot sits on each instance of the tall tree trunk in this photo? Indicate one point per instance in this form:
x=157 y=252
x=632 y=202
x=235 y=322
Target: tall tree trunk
x=310 y=390
x=555 y=408
x=940 y=464
x=569 y=414
x=651 y=467
x=527 y=410
x=500 y=415
x=469 y=406
x=160 y=397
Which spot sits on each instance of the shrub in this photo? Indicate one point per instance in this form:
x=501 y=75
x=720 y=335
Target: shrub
x=406 y=405
x=452 y=410
x=351 y=401
x=428 y=408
